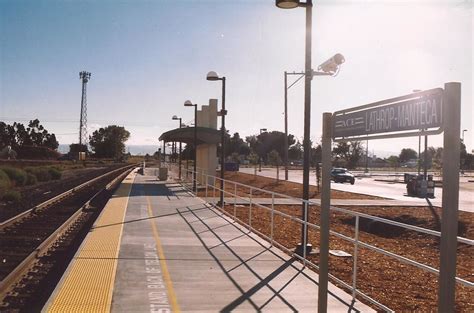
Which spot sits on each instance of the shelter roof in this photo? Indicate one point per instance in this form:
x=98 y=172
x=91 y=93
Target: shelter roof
x=205 y=135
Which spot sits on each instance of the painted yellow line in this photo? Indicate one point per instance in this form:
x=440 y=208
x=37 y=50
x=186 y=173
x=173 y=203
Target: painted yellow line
x=164 y=267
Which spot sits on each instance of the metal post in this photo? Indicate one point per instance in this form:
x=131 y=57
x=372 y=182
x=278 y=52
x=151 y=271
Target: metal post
x=235 y=199
x=449 y=221
x=164 y=153
x=419 y=155
x=195 y=147
x=425 y=159
x=286 y=126
x=307 y=113
x=324 y=222
x=223 y=113
x=180 y=158
x=271 y=218
x=356 y=249
x=250 y=210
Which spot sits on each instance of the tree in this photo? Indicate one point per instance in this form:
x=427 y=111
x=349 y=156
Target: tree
x=274 y=159
x=393 y=161
x=296 y=151
x=17 y=135
x=265 y=142
x=109 y=142
x=348 y=153
x=237 y=145
x=407 y=154
x=316 y=155
x=438 y=158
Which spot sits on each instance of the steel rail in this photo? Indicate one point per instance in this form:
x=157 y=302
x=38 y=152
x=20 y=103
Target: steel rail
x=57 y=198
x=21 y=269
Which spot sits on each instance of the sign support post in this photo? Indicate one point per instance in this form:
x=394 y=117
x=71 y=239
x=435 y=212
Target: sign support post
x=324 y=216
x=449 y=220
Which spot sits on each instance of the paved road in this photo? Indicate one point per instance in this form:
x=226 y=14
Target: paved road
x=371 y=186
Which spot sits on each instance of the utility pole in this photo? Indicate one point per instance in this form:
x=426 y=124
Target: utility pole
x=84 y=76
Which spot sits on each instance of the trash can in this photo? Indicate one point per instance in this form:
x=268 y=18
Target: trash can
x=163 y=173
x=422 y=188
x=407 y=177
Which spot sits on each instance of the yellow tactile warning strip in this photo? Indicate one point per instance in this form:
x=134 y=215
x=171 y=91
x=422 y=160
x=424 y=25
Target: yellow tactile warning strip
x=88 y=286
x=164 y=267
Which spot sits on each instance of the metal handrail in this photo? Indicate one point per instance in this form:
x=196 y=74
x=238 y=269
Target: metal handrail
x=354 y=240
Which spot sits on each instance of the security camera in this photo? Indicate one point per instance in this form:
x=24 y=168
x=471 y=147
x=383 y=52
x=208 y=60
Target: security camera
x=331 y=65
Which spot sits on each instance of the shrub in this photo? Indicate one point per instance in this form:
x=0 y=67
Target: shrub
x=17 y=176
x=4 y=182
x=55 y=173
x=37 y=153
x=31 y=179
x=12 y=195
x=42 y=174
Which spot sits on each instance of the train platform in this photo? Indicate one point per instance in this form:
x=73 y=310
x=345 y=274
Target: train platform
x=157 y=248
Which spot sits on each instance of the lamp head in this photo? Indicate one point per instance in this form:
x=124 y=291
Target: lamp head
x=287 y=4
x=188 y=103
x=212 y=76
x=175 y=117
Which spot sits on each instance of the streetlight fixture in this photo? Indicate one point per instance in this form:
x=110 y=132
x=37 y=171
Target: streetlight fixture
x=330 y=66
x=262 y=130
x=213 y=76
x=176 y=118
x=188 y=103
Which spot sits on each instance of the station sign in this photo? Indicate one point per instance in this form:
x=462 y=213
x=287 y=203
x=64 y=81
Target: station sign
x=418 y=111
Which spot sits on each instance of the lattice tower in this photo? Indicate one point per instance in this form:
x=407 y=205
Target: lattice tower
x=83 y=140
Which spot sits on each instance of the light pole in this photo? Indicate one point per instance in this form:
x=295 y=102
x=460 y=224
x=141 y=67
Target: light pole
x=308 y=5
x=179 y=156
x=462 y=137
x=188 y=103
x=301 y=74
x=330 y=66
x=262 y=130
x=213 y=76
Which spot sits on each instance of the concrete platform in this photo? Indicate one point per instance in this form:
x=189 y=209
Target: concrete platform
x=178 y=254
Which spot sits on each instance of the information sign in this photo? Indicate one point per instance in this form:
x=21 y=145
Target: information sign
x=412 y=112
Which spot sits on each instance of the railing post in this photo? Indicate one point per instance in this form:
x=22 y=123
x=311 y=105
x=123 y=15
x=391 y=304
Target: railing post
x=305 y=226
x=213 y=189
x=250 y=210
x=271 y=218
x=223 y=193
x=356 y=248
x=207 y=177
x=235 y=199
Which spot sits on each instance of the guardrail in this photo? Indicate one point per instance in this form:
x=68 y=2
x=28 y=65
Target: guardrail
x=354 y=240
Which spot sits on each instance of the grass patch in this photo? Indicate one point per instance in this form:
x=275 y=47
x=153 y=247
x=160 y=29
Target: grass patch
x=5 y=183
x=17 y=176
x=12 y=196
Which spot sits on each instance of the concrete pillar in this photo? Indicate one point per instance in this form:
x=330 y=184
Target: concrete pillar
x=206 y=154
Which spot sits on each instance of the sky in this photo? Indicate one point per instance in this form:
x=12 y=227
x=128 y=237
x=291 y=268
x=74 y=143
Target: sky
x=148 y=57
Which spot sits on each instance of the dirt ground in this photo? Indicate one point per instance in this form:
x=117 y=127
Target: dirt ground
x=284 y=187
x=397 y=285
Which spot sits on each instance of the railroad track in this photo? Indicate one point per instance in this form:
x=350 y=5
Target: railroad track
x=36 y=245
